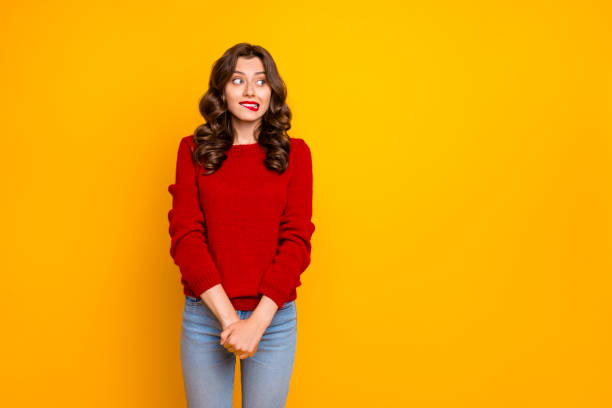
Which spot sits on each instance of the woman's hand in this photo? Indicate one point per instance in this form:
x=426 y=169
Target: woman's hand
x=242 y=337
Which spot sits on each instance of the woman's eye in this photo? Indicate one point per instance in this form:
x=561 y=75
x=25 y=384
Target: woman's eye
x=240 y=79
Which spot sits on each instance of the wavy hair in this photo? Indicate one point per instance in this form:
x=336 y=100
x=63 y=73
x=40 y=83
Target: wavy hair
x=216 y=136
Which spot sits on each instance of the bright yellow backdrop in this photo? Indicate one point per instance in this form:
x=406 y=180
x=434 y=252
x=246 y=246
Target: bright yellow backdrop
x=462 y=159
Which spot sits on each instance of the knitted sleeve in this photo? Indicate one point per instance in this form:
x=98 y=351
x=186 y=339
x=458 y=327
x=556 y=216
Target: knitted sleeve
x=188 y=246
x=296 y=229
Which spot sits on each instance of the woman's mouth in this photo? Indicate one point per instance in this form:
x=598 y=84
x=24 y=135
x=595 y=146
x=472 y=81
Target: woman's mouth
x=250 y=105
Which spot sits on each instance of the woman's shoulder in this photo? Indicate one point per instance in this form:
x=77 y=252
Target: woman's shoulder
x=300 y=154
x=299 y=145
x=189 y=141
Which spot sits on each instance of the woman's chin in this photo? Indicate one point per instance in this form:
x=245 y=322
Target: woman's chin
x=247 y=118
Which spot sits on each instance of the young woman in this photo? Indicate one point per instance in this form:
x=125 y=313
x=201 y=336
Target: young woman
x=240 y=228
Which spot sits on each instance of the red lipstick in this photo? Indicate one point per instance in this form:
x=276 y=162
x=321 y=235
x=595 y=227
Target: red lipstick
x=252 y=105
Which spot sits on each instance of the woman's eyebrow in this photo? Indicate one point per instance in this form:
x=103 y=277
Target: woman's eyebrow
x=240 y=72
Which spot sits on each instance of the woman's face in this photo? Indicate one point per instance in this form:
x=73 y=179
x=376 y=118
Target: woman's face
x=247 y=84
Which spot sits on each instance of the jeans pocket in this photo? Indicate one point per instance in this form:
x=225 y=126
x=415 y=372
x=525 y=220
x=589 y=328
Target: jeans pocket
x=190 y=300
x=287 y=305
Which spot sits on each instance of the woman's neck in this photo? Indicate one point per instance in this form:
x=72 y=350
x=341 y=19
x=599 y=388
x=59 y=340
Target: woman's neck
x=244 y=132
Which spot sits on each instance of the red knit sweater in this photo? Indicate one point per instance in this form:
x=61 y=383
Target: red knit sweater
x=243 y=226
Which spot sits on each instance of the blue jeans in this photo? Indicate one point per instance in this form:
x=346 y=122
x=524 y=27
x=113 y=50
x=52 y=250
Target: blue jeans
x=208 y=368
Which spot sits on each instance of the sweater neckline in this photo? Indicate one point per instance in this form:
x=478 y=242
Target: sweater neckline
x=249 y=149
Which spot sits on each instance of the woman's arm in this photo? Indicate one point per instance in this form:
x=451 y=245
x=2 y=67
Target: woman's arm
x=219 y=303
x=264 y=312
x=189 y=243
x=295 y=230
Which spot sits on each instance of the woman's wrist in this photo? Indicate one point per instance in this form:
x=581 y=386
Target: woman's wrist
x=229 y=321
x=220 y=305
x=264 y=312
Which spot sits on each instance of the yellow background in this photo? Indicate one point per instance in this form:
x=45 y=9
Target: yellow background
x=462 y=163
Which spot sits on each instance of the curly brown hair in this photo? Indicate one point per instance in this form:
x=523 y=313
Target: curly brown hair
x=216 y=136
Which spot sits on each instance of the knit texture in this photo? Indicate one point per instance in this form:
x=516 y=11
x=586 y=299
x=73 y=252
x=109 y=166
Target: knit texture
x=244 y=226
